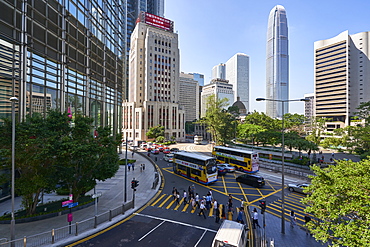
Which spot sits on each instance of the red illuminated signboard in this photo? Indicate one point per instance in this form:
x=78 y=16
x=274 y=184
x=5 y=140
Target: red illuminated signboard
x=157 y=21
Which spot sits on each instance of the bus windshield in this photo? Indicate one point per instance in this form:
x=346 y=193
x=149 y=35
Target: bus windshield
x=211 y=166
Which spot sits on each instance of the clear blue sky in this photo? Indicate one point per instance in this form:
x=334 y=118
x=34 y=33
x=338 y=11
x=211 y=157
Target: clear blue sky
x=212 y=31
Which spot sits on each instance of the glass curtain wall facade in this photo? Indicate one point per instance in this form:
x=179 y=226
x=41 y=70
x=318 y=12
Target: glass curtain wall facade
x=67 y=55
x=277 y=62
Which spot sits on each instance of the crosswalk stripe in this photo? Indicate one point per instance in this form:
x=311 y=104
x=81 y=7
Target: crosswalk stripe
x=168 y=197
x=153 y=204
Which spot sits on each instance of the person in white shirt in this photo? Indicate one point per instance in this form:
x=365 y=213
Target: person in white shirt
x=202 y=208
x=255 y=219
x=216 y=211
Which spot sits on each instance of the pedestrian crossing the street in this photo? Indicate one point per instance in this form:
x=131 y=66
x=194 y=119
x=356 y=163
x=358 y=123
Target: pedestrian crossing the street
x=167 y=201
x=292 y=203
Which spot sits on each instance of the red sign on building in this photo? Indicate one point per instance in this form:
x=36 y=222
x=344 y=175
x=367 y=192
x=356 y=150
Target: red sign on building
x=155 y=21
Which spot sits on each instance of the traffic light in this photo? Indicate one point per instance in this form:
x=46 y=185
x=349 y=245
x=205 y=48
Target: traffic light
x=134 y=184
x=263 y=206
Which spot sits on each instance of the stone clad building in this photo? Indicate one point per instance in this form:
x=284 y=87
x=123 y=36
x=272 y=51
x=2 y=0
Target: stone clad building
x=153 y=81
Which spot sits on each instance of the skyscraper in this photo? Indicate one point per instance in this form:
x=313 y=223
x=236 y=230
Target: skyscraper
x=154 y=79
x=72 y=57
x=220 y=89
x=219 y=71
x=277 y=62
x=342 y=77
x=189 y=96
x=237 y=73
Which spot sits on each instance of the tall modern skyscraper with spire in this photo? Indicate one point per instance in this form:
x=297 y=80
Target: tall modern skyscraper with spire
x=277 y=62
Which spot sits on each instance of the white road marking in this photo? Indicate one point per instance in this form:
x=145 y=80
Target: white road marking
x=200 y=239
x=176 y=222
x=151 y=231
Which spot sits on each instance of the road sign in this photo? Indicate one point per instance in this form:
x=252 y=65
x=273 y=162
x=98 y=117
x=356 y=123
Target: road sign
x=96 y=195
x=71 y=205
x=66 y=203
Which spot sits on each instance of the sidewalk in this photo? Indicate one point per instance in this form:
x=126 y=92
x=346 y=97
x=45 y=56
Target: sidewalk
x=293 y=237
x=112 y=196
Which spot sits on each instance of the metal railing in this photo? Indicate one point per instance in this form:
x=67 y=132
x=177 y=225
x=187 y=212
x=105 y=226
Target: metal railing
x=303 y=172
x=55 y=235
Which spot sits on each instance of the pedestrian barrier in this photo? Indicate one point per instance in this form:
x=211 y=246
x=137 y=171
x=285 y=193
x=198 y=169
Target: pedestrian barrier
x=156 y=180
x=301 y=172
x=55 y=235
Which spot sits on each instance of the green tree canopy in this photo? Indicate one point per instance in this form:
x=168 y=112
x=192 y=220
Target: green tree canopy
x=364 y=111
x=248 y=132
x=261 y=119
x=155 y=131
x=220 y=123
x=339 y=199
x=50 y=150
x=317 y=129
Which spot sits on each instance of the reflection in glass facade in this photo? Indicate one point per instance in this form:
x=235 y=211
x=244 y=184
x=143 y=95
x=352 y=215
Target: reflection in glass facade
x=69 y=55
x=66 y=54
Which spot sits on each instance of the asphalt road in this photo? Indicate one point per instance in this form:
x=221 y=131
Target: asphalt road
x=164 y=223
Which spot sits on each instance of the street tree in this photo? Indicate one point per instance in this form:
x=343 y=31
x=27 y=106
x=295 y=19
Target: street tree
x=261 y=119
x=82 y=159
x=338 y=198
x=35 y=154
x=317 y=129
x=155 y=131
x=364 y=112
x=51 y=150
x=248 y=132
x=159 y=139
x=220 y=123
x=294 y=122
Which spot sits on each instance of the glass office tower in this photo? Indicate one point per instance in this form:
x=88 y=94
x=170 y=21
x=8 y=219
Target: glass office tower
x=67 y=54
x=277 y=62
x=64 y=55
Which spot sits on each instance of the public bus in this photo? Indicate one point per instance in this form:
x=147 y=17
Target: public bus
x=243 y=160
x=198 y=140
x=199 y=168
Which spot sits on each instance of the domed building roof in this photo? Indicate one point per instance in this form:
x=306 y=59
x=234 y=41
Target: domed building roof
x=241 y=106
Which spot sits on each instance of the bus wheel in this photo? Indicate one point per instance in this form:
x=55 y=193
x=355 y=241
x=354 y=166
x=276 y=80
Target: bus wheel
x=197 y=180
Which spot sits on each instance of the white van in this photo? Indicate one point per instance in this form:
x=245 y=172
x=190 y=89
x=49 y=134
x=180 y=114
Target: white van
x=231 y=234
x=143 y=146
x=168 y=157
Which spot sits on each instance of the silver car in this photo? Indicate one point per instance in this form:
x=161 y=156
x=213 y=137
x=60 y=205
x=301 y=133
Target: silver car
x=298 y=187
x=228 y=167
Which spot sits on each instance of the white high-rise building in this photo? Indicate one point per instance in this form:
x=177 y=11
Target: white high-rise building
x=221 y=89
x=342 y=76
x=237 y=73
x=219 y=72
x=153 y=80
x=277 y=62
x=309 y=106
x=189 y=96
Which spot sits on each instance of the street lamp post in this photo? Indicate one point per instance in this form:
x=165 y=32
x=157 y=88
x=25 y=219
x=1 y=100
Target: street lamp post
x=282 y=157
x=12 y=222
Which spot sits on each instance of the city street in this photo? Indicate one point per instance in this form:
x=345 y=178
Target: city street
x=164 y=215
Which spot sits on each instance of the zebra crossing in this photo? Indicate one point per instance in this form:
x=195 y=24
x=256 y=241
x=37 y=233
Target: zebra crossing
x=292 y=203
x=167 y=201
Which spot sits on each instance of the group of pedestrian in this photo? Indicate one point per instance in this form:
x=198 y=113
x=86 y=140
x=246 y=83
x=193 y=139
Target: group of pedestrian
x=142 y=167
x=129 y=165
x=176 y=195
